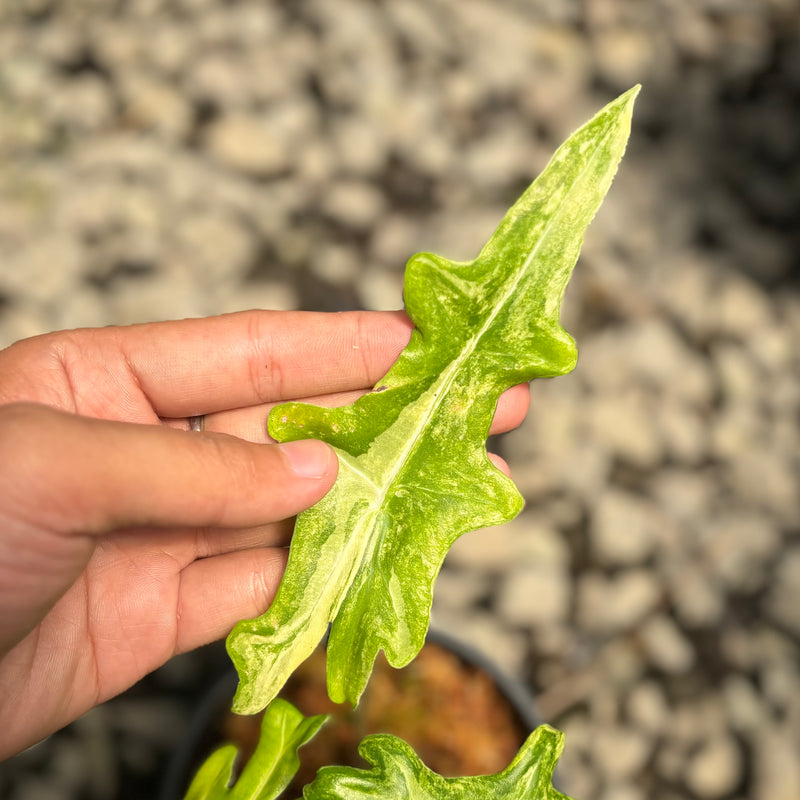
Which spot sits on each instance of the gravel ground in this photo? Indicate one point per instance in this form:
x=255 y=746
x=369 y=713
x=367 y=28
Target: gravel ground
x=170 y=159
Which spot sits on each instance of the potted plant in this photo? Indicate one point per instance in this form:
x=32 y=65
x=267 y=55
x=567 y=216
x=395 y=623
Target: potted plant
x=458 y=710
x=413 y=476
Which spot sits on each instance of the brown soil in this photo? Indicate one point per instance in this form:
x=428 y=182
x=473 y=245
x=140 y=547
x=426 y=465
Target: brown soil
x=450 y=713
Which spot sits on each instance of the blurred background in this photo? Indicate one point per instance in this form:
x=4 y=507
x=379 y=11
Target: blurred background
x=172 y=158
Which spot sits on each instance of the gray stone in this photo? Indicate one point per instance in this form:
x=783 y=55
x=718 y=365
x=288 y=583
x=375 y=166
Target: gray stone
x=739 y=379
x=744 y=705
x=394 y=239
x=685 y=495
x=648 y=707
x=736 y=430
x=777 y=768
x=215 y=247
x=624 y=528
x=740 y=308
x=151 y=104
x=772 y=348
x=248 y=144
x=623 y=791
x=670 y=762
x=535 y=596
x=665 y=646
x=22 y=320
x=47 y=267
x=84 y=105
x=685 y=433
x=716 y=769
x=360 y=148
x=620 y=664
x=625 y=55
x=217 y=78
x=524 y=542
x=767 y=479
x=697 y=598
x=620 y=753
x=354 y=204
x=381 y=290
x=335 y=264
x=739 y=546
x=623 y=426
x=500 y=158
x=612 y=605
x=459 y=589
x=482 y=631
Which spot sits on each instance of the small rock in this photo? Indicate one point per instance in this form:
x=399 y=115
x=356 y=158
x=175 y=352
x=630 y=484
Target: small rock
x=684 y=494
x=744 y=704
x=83 y=306
x=648 y=707
x=360 y=147
x=481 y=631
x=685 y=433
x=611 y=605
x=458 y=589
x=623 y=425
x=666 y=647
x=499 y=159
x=739 y=380
x=624 y=528
x=335 y=264
x=219 y=246
x=623 y=791
x=216 y=78
x=624 y=55
x=248 y=144
x=780 y=679
x=736 y=430
x=156 y=105
x=777 y=768
x=698 y=719
x=535 y=596
x=697 y=598
x=84 y=104
x=716 y=769
x=394 y=239
x=695 y=32
x=354 y=204
x=525 y=541
x=739 y=546
x=22 y=320
x=381 y=290
x=740 y=307
x=769 y=480
x=658 y=355
x=621 y=665
x=670 y=761
x=772 y=348
x=621 y=753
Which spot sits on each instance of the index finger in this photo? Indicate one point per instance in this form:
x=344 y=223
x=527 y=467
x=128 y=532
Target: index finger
x=198 y=366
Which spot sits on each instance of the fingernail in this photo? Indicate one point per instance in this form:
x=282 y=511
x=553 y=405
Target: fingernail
x=307 y=458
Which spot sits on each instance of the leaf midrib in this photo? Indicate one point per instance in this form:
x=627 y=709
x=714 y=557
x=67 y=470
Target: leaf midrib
x=439 y=389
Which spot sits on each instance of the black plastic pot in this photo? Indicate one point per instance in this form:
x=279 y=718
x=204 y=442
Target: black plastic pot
x=204 y=733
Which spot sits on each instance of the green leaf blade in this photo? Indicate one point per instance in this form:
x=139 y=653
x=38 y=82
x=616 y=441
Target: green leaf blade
x=414 y=473
x=269 y=770
x=398 y=774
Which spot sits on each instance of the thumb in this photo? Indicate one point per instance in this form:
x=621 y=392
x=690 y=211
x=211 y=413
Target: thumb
x=66 y=479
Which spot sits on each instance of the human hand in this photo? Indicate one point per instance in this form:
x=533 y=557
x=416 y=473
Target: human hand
x=126 y=539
